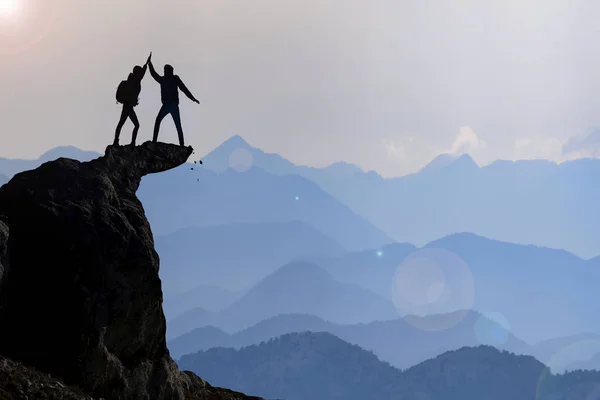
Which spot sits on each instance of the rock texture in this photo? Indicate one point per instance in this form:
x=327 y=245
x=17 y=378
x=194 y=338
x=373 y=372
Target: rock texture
x=3 y=253
x=81 y=297
x=20 y=382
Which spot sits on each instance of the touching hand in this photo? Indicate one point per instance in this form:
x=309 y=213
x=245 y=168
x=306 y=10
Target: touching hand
x=196 y=101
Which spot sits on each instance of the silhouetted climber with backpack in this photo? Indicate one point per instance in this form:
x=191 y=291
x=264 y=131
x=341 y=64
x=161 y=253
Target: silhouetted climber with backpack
x=127 y=94
x=170 y=84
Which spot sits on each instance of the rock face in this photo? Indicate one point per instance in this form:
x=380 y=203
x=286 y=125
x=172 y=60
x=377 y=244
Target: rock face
x=3 y=253
x=80 y=297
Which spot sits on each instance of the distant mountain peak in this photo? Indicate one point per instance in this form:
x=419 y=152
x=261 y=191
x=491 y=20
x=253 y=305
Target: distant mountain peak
x=466 y=159
x=236 y=153
x=59 y=149
x=68 y=152
x=343 y=165
x=446 y=160
x=299 y=270
x=235 y=142
x=441 y=161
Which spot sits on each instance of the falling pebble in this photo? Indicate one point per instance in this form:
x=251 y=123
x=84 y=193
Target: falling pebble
x=192 y=168
x=194 y=162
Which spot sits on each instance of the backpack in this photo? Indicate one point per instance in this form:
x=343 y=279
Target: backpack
x=123 y=92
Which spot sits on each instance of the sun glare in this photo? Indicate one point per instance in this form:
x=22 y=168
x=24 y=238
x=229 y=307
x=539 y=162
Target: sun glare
x=9 y=8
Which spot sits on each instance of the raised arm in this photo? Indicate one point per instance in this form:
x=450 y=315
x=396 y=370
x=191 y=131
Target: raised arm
x=156 y=76
x=186 y=91
x=143 y=73
x=144 y=68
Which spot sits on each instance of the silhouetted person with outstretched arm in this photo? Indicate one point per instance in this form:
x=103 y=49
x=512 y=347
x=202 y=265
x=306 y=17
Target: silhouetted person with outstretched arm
x=127 y=94
x=170 y=84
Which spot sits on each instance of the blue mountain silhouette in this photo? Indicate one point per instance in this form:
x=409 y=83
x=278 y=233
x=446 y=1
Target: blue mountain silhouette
x=543 y=292
x=9 y=167
x=395 y=341
x=296 y=288
x=236 y=255
x=184 y=197
x=528 y=201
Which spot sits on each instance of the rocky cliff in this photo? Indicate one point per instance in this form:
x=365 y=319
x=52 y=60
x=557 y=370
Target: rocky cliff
x=80 y=294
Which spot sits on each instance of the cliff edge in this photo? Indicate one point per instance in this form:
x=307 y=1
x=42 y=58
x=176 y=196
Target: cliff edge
x=80 y=294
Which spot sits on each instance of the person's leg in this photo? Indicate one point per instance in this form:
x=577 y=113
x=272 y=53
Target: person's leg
x=124 y=115
x=161 y=114
x=136 y=126
x=177 y=120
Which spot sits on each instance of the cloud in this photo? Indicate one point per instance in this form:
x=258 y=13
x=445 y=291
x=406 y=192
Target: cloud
x=552 y=148
x=583 y=145
x=467 y=141
x=412 y=153
x=394 y=149
x=539 y=147
x=408 y=153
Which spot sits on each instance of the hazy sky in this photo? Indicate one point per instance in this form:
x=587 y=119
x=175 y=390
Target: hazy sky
x=385 y=84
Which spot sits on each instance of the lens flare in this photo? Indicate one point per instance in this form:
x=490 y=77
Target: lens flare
x=433 y=289
x=240 y=160
x=25 y=23
x=578 y=355
x=8 y=8
x=492 y=328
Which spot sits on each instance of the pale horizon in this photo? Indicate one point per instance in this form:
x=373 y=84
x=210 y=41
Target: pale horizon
x=385 y=86
x=324 y=165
